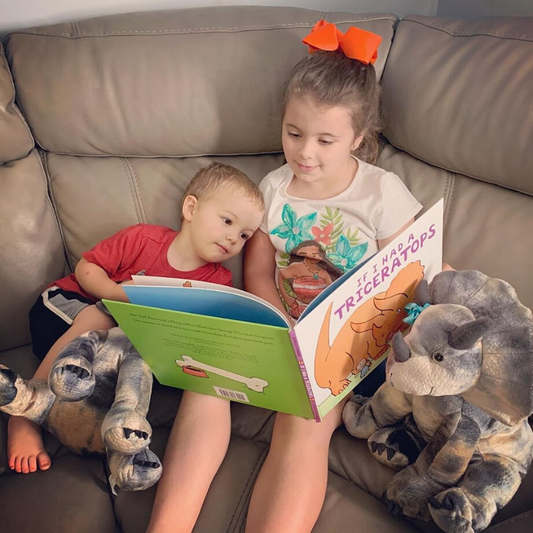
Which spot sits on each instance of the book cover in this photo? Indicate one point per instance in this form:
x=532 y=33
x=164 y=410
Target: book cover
x=222 y=341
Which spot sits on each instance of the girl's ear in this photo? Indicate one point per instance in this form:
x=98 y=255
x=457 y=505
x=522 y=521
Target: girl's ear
x=189 y=206
x=357 y=142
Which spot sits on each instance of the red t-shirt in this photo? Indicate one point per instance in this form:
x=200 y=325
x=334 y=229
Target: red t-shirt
x=141 y=249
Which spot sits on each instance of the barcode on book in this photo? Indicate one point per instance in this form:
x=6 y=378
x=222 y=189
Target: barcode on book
x=231 y=394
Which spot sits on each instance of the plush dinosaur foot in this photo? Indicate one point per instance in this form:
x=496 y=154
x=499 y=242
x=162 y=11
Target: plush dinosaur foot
x=452 y=511
x=394 y=447
x=126 y=432
x=72 y=379
x=8 y=391
x=135 y=472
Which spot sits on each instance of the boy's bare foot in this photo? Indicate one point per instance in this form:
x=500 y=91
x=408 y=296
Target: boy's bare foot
x=25 y=449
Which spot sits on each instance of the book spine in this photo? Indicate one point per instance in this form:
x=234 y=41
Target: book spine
x=303 y=370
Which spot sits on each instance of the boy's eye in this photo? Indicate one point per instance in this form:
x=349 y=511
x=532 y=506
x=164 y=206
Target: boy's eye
x=227 y=221
x=325 y=141
x=293 y=134
x=244 y=236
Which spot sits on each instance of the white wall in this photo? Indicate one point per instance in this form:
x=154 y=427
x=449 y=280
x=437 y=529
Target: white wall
x=25 y=13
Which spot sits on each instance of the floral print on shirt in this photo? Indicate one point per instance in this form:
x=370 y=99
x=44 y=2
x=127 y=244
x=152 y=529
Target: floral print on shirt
x=343 y=249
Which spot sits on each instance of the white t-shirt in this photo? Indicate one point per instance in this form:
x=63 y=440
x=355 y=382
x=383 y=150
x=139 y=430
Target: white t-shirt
x=316 y=241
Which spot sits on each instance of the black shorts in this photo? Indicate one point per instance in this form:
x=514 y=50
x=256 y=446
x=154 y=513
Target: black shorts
x=52 y=315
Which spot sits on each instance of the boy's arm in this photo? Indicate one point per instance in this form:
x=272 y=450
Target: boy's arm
x=259 y=270
x=96 y=282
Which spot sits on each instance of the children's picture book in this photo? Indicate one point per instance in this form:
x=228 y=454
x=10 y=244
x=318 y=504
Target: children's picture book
x=225 y=342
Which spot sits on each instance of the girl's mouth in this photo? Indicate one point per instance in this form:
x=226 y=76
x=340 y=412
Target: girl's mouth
x=306 y=168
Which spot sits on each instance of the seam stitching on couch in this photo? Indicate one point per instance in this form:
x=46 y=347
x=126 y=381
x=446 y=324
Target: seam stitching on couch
x=43 y=159
x=132 y=182
x=246 y=490
x=444 y=29
x=279 y=26
x=511 y=521
x=450 y=202
x=137 y=189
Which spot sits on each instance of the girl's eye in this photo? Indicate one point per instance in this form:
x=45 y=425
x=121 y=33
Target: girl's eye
x=293 y=135
x=227 y=221
x=324 y=141
x=244 y=236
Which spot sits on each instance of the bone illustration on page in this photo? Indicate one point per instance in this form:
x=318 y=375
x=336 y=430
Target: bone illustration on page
x=199 y=369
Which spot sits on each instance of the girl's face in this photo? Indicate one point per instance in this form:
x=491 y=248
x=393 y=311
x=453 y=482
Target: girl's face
x=318 y=142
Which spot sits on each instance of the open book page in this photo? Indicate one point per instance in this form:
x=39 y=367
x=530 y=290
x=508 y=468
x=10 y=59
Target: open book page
x=203 y=298
x=346 y=335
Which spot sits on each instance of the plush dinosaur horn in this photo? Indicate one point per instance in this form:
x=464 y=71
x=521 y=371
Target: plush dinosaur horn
x=422 y=295
x=465 y=336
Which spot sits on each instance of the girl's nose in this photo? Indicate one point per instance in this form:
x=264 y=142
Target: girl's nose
x=306 y=150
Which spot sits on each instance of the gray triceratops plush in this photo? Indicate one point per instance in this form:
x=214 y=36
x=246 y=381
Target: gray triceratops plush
x=452 y=415
x=95 y=402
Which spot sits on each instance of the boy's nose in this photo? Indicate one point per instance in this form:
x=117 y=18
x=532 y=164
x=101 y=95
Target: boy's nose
x=231 y=237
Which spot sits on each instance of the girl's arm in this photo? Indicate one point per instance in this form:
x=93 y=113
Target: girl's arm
x=259 y=270
x=383 y=242
x=96 y=282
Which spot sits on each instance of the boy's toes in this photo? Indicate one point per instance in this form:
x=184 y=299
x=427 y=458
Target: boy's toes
x=43 y=461
x=30 y=464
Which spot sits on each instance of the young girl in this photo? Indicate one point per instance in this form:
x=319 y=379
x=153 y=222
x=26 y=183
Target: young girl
x=328 y=192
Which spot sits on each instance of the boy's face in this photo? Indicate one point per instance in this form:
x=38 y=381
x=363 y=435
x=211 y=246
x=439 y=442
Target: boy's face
x=221 y=224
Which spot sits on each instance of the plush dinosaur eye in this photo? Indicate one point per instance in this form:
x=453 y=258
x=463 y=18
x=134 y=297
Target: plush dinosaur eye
x=438 y=357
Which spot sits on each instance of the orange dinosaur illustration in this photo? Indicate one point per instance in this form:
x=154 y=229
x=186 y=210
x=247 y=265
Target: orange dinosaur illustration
x=366 y=333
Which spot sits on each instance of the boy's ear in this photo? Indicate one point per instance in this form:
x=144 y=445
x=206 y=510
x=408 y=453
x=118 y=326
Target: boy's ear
x=357 y=142
x=189 y=206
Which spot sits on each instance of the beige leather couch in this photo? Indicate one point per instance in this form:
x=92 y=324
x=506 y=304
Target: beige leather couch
x=103 y=122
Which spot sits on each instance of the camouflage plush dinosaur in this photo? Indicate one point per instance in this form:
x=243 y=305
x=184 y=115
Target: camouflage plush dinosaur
x=95 y=402
x=452 y=415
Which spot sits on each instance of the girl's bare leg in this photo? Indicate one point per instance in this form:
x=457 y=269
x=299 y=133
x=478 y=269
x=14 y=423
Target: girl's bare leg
x=25 y=449
x=196 y=447
x=290 y=489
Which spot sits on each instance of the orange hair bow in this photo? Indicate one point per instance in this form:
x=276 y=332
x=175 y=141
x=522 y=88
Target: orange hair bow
x=355 y=43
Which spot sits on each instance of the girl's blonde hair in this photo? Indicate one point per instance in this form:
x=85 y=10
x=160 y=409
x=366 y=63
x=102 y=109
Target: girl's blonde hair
x=331 y=79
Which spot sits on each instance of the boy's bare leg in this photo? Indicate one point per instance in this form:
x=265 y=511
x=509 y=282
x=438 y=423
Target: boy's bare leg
x=25 y=449
x=290 y=489
x=196 y=447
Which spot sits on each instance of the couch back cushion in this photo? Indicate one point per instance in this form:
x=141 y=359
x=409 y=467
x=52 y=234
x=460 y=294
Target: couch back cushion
x=167 y=83
x=15 y=137
x=457 y=111
x=457 y=94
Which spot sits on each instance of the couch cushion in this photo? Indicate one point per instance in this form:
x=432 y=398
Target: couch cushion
x=462 y=99
x=95 y=197
x=187 y=82
x=15 y=137
x=34 y=503
x=226 y=503
x=32 y=251
x=485 y=226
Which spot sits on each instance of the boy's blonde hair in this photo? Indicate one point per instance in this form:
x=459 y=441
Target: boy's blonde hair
x=208 y=180
x=331 y=79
